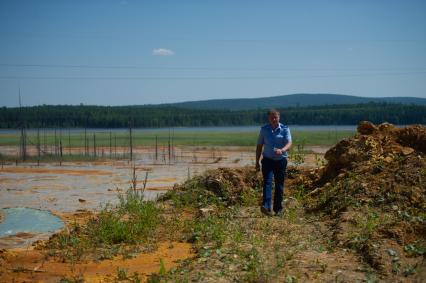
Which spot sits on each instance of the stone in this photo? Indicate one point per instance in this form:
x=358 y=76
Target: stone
x=366 y=128
x=407 y=150
x=391 y=252
x=205 y=211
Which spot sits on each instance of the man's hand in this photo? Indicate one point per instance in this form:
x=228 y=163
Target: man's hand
x=258 y=153
x=280 y=151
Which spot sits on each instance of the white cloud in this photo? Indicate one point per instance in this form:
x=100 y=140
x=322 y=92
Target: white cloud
x=162 y=52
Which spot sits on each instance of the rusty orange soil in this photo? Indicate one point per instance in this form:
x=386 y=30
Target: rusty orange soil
x=26 y=170
x=6 y=180
x=81 y=216
x=34 y=266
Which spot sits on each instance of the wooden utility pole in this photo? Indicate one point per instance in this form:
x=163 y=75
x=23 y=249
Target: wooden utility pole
x=23 y=142
x=38 y=147
x=94 y=144
x=173 y=144
x=60 y=148
x=115 y=145
x=168 y=147
x=69 y=141
x=44 y=141
x=110 y=144
x=60 y=152
x=60 y=142
x=56 y=144
x=156 y=147
x=23 y=145
x=131 y=143
x=86 y=143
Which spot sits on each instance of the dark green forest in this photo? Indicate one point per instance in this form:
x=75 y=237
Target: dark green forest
x=169 y=116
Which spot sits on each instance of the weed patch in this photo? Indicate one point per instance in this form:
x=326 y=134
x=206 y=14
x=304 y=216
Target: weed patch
x=133 y=221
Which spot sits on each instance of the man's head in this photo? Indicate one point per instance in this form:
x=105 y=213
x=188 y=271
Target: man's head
x=274 y=117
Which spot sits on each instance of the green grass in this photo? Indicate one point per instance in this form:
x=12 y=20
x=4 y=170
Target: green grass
x=231 y=236
x=209 y=230
x=133 y=221
x=187 y=138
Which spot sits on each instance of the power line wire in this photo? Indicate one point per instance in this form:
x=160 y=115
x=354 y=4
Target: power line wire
x=66 y=66
x=205 y=77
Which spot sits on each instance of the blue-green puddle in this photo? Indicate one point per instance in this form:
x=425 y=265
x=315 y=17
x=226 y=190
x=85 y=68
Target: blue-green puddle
x=29 y=220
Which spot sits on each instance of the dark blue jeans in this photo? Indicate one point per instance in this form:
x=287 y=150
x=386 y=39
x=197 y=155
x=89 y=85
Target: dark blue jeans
x=275 y=168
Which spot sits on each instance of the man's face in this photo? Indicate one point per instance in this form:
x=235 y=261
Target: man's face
x=274 y=119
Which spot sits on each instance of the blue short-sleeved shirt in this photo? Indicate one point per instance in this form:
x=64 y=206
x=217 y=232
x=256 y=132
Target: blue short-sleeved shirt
x=271 y=139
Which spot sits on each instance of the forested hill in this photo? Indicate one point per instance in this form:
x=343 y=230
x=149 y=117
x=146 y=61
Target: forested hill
x=167 y=116
x=293 y=100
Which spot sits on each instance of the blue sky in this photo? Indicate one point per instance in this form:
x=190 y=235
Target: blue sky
x=128 y=52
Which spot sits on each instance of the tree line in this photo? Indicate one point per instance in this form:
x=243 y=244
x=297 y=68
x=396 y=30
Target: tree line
x=81 y=116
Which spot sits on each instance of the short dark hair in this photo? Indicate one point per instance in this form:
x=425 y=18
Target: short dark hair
x=273 y=111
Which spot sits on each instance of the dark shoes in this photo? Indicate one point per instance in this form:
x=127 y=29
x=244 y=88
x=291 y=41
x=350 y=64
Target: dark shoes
x=269 y=212
x=266 y=211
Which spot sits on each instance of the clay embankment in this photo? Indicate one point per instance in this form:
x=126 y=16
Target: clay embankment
x=373 y=190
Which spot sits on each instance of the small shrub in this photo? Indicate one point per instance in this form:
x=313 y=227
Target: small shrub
x=298 y=155
x=209 y=230
x=134 y=221
x=254 y=267
x=249 y=197
x=162 y=271
x=193 y=194
x=299 y=193
x=366 y=224
x=121 y=274
x=413 y=250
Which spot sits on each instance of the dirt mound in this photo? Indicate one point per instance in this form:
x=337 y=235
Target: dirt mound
x=228 y=185
x=382 y=164
x=374 y=143
x=231 y=184
x=374 y=190
x=414 y=136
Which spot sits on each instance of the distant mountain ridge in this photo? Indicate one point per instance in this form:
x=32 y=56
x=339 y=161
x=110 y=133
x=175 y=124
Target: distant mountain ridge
x=293 y=100
x=82 y=116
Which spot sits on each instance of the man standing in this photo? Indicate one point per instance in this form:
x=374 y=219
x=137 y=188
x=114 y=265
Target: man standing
x=276 y=140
